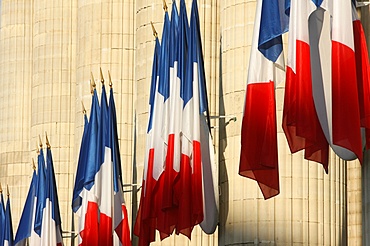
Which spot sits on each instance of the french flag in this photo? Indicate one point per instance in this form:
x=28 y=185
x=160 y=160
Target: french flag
x=51 y=229
x=105 y=189
x=202 y=129
x=259 y=154
x=121 y=234
x=81 y=166
x=363 y=75
x=300 y=121
x=333 y=66
x=88 y=211
x=169 y=204
x=145 y=223
x=8 y=230
x=40 y=198
x=26 y=222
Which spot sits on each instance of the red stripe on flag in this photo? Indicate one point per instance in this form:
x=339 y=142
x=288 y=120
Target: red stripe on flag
x=105 y=230
x=90 y=232
x=123 y=230
x=258 y=157
x=300 y=121
x=346 y=115
x=363 y=77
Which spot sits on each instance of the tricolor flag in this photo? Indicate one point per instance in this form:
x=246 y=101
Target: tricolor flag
x=26 y=222
x=104 y=175
x=81 y=167
x=40 y=198
x=300 y=121
x=363 y=75
x=167 y=223
x=88 y=211
x=144 y=225
x=51 y=229
x=202 y=129
x=121 y=235
x=8 y=230
x=2 y=216
x=334 y=79
x=259 y=154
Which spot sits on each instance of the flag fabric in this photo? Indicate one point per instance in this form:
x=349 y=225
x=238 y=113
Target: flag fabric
x=81 y=166
x=172 y=167
x=202 y=130
x=26 y=222
x=51 y=229
x=334 y=77
x=8 y=232
x=259 y=154
x=2 y=216
x=300 y=121
x=121 y=235
x=88 y=210
x=40 y=199
x=145 y=224
x=105 y=175
x=362 y=74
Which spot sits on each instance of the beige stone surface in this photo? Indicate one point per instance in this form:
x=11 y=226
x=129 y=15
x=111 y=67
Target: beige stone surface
x=48 y=50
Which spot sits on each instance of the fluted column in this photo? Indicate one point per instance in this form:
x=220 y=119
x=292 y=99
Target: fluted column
x=53 y=91
x=15 y=97
x=311 y=206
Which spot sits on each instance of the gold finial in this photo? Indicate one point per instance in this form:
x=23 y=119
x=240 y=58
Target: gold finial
x=92 y=83
x=110 y=80
x=33 y=164
x=101 y=77
x=165 y=5
x=1 y=189
x=83 y=108
x=155 y=34
x=40 y=143
x=37 y=148
x=47 y=141
x=7 y=188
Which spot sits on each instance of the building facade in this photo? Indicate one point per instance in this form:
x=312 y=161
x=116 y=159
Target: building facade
x=48 y=50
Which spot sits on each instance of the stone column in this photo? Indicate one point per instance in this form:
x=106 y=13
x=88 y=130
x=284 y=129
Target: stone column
x=15 y=101
x=311 y=206
x=53 y=91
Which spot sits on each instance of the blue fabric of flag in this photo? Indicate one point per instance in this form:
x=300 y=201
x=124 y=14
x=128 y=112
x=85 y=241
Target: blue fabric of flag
x=52 y=192
x=40 y=192
x=164 y=70
x=113 y=143
x=103 y=126
x=174 y=34
x=80 y=173
x=153 y=85
x=319 y=2
x=8 y=234
x=196 y=53
x=186 y=91
x=274 y=22
x=93 y=142
x=25 y=223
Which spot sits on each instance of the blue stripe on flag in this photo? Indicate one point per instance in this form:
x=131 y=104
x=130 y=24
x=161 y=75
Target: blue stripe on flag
x=164 y=72
x=274 y=22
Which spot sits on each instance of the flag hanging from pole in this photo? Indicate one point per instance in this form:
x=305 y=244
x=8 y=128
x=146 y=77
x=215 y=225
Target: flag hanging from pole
x=121 y=235
x=26 y=223
x=300 y=121
x=51 y=230
x=8 y=232
x=259 y=154
x=2 y=215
